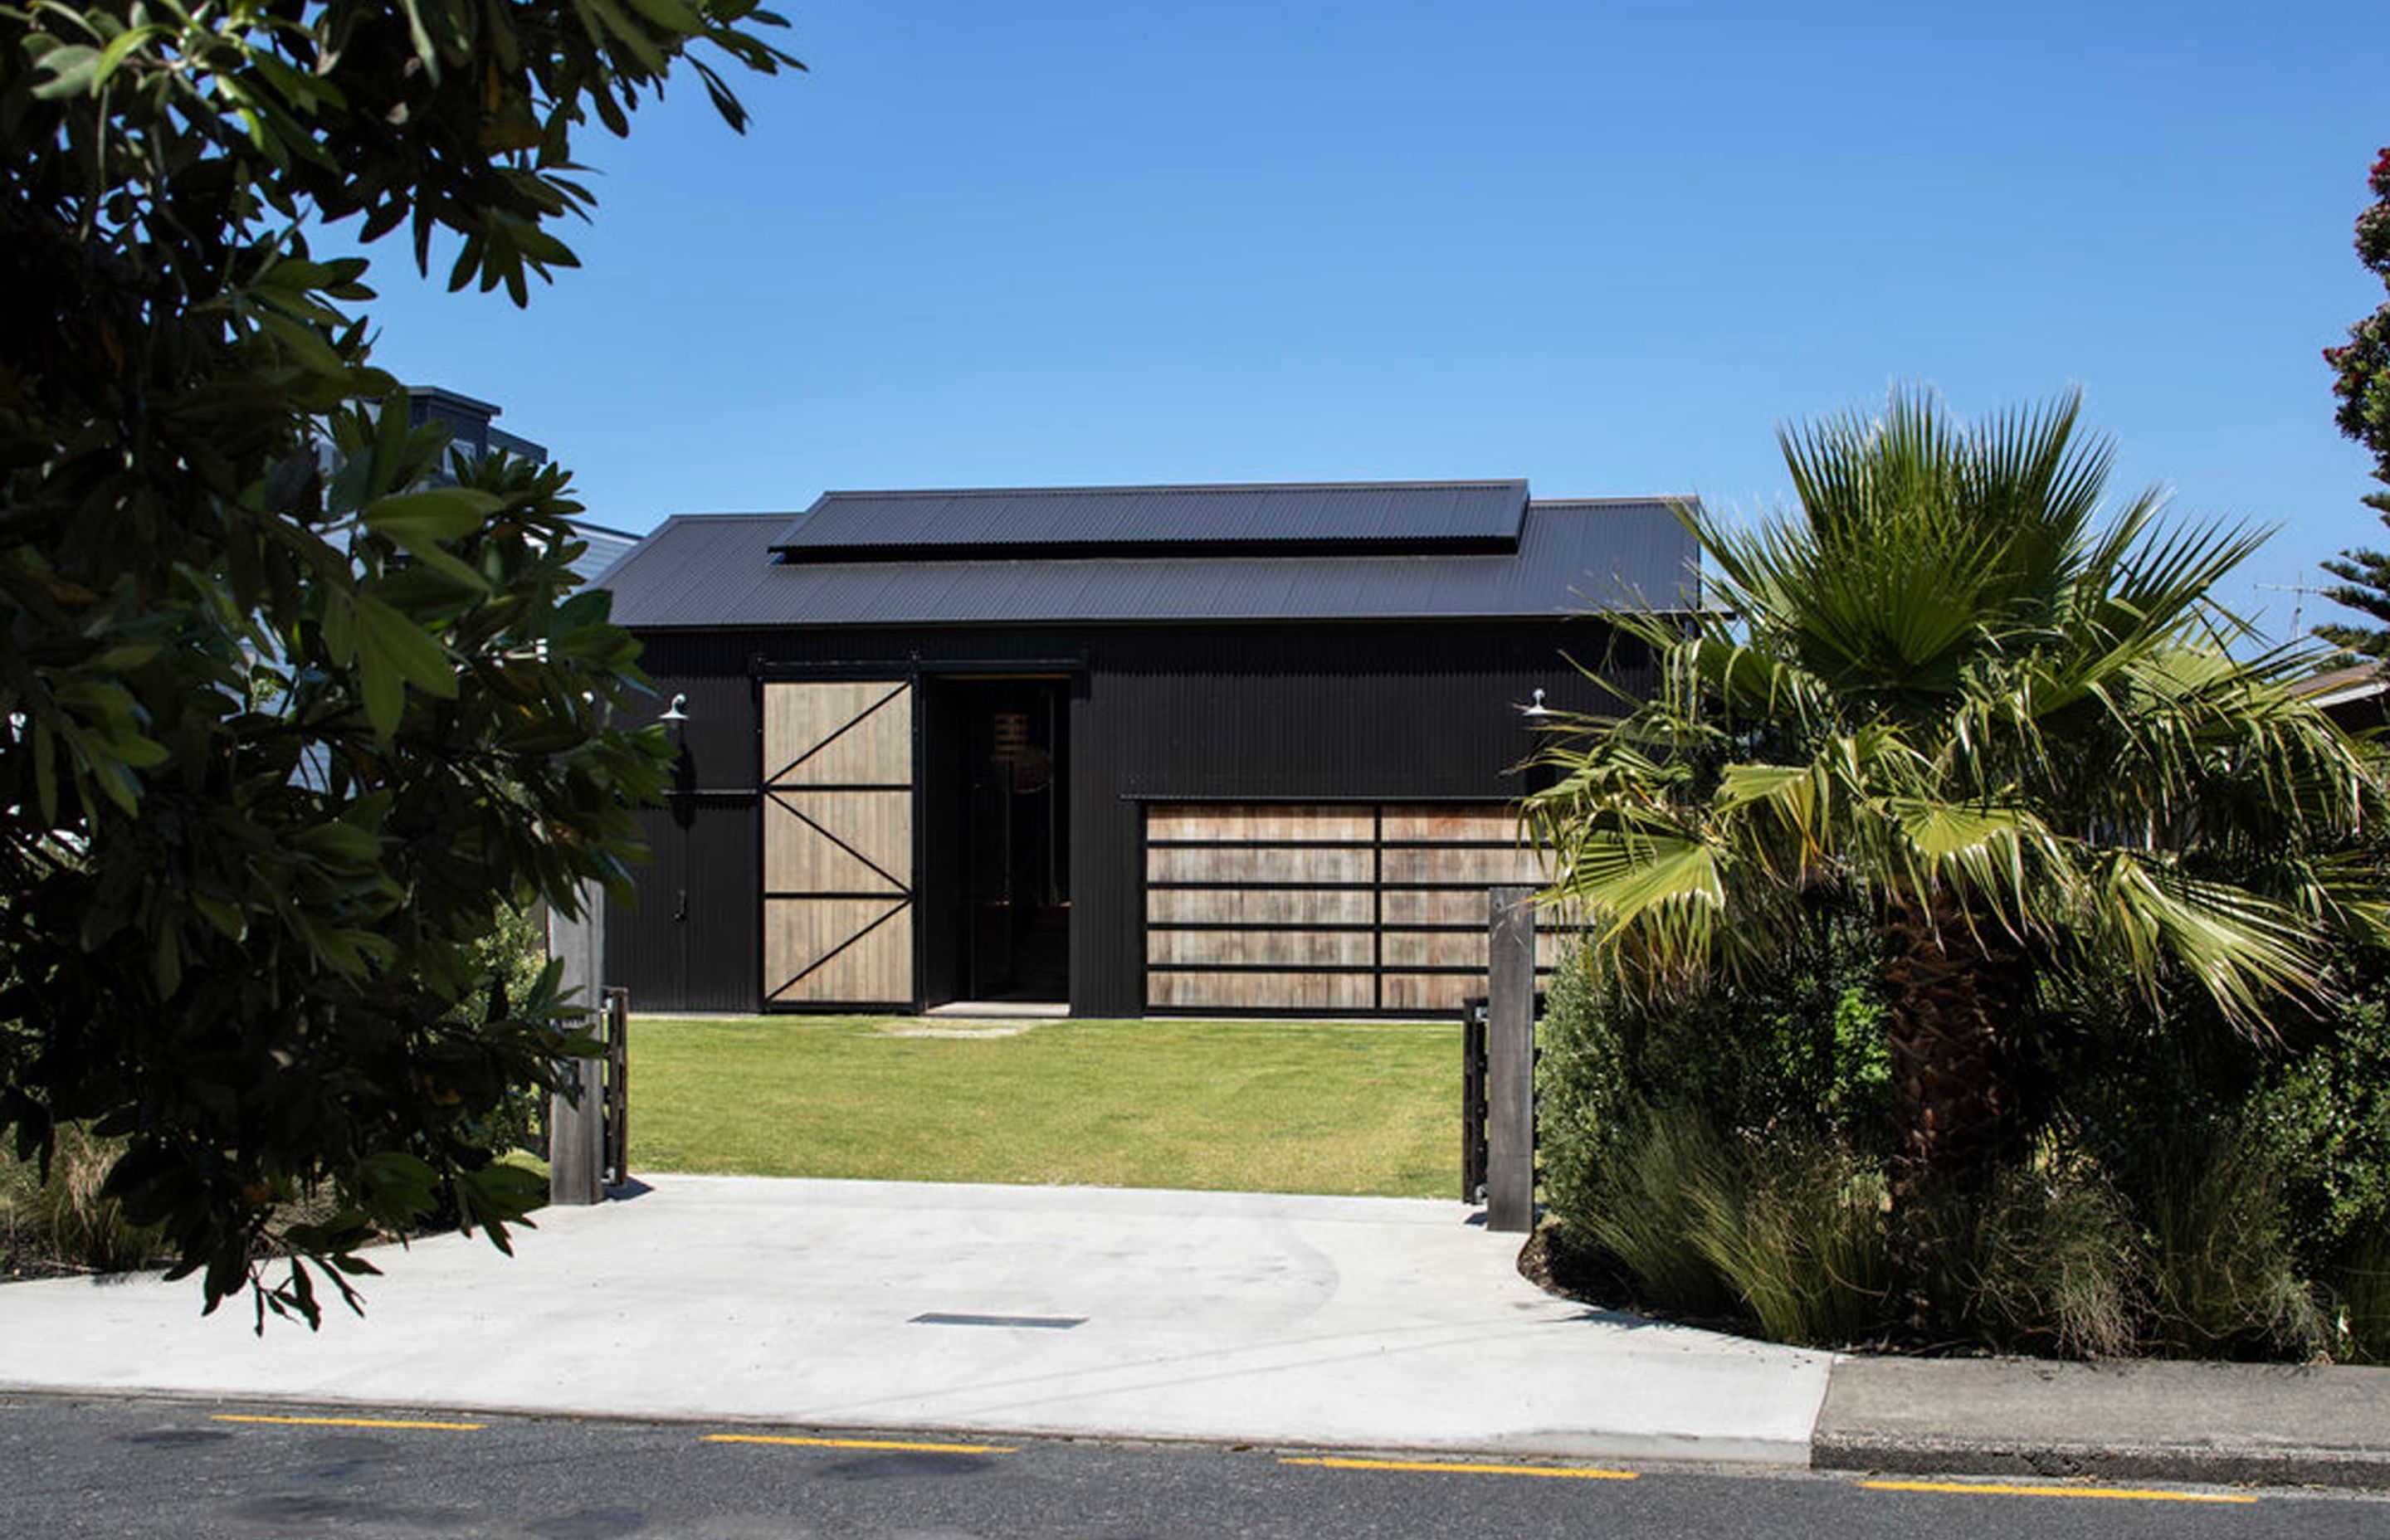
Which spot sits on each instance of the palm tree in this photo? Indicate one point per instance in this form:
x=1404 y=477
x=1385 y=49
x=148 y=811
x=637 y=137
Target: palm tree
x=1948 y=691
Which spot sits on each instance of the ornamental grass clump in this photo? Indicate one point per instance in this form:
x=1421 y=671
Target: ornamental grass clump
x=64 y=1221
x=2053 y=1265
x=1796 y=1229
x=2224 y=1279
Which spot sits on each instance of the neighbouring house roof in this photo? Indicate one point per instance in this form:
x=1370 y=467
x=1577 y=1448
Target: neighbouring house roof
x=2343 y=685
x=605 y=547
x=1324 y=562
x=469 y=422
x=2355 y=696
x=1182 y=521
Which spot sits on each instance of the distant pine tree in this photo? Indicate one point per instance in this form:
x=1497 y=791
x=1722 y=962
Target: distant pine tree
x=2362 y=380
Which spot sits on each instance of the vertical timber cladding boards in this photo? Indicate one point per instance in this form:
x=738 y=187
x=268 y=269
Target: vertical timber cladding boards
x=838 y=842
x=1325 y=906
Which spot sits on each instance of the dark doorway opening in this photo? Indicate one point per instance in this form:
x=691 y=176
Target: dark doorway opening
x=1004 y=784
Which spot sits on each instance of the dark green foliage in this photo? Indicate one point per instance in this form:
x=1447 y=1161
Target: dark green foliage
x=513 y=957
x=2325 y=1114
x=2360 y=1290
x=2361 y=380
x=288 y=734
x=1802 y=1044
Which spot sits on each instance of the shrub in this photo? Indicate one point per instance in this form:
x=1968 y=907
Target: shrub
x=1804 y=1044
x=2325 y=1116
x=510 y=959
x=1581 y=1098
x=2168 y=1185
x=1719 y=1150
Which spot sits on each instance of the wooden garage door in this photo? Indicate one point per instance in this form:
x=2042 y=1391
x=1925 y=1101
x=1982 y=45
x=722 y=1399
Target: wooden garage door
x=838 y=843
x=1344 y=909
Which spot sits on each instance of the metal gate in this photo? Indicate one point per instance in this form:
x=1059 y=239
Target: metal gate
x=838 y=783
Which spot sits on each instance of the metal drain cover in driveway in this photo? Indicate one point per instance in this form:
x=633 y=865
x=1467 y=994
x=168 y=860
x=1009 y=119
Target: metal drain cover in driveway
x=1043 y=1323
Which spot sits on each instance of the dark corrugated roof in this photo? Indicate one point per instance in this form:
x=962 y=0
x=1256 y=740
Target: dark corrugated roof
x=708 y=571
x=1279 y=519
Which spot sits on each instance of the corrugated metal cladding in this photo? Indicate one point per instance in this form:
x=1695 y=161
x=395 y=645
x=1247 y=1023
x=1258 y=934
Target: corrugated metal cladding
x=689 y=943
x=907 y=525
x=714 y=571
x=1272 y=713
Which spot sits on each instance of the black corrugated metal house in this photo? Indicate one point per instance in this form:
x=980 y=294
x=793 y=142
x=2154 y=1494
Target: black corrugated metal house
x=1201 y=748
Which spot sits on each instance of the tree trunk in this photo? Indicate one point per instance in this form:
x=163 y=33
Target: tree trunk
x=1953 y=990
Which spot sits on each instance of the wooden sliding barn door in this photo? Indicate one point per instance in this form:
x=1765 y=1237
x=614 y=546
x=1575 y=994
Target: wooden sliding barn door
x=838 y=842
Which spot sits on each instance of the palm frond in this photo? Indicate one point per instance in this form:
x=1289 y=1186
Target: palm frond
x=2241 y=949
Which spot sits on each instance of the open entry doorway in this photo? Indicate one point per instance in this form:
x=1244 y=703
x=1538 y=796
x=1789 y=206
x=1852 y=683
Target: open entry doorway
x=1004 y=781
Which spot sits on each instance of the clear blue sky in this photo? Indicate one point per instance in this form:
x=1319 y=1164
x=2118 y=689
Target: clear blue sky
x=1606 y=247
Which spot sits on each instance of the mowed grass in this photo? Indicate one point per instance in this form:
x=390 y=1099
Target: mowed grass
x=1259 y=1106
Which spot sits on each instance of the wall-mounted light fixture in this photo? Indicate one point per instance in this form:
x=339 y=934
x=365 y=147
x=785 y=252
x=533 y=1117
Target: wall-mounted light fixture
x=682 y=798
x=1535 y=708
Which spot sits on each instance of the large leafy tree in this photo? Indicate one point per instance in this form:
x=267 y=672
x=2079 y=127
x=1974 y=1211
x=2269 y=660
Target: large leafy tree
x=1949 y=692
x=283 y=725
x=2360 y=370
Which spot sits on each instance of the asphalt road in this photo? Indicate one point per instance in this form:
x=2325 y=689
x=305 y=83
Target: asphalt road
x=80 y=1466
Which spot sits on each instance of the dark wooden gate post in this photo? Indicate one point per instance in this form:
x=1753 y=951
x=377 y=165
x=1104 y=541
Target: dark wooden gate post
x=576 y=1127
x=1510 y=1059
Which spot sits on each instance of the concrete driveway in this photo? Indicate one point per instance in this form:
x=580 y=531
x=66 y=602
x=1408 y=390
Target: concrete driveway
x=1352 y=1322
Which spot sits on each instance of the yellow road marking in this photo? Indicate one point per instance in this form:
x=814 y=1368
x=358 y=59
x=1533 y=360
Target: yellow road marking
x=1581 y=1473
x=859 y=1443
x=2122 y=1494
x=353 y=1422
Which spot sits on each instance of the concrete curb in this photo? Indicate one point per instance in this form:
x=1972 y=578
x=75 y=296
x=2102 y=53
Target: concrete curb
x=2217 y=1466
x=2221 y=1424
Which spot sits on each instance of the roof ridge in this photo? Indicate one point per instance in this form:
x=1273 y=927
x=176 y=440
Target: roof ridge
x=1613 y=502
x=1103 y=491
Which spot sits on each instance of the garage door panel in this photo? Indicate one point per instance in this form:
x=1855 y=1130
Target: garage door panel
x=1166 y=906
x=1169 y=990
x=1378 y=908
x=1230 y=821
x=1251 y=948
x=1465 y=864
x=1253 y=864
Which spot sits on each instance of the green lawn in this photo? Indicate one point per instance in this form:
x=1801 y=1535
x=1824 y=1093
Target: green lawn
x=1260 y=1107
